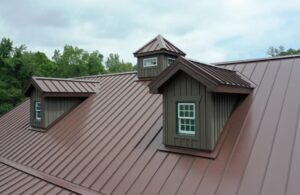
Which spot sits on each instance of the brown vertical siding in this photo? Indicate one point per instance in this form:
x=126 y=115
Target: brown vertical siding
x=55 y=107
x=184 y=88
x=222 y=107
x=149 y=72
x=36 y=96
x=212 y=112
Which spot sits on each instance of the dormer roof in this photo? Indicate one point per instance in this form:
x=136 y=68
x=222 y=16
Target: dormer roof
x=58 y=86
x=216 y=78
x=159 y=44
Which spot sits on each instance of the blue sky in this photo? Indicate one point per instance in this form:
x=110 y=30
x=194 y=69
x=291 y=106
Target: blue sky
x=207 y=30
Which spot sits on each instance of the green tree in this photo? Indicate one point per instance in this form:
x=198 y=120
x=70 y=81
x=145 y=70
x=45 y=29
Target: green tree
x=6 y=48
x=18 y=65
x=280 y=51
x=74 y=62
x=114 y=64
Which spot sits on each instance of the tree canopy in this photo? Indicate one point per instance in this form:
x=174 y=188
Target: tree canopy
x=281 y=51
x=18 y=65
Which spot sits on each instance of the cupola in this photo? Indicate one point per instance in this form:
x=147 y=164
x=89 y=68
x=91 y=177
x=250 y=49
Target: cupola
x=52 y=98
x=155 y=56
x=198 y=99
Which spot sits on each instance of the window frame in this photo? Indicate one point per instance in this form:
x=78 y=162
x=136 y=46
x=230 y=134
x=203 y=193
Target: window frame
x=152 y=65
x=173 y=59
x=179 y=118
x=38 y=112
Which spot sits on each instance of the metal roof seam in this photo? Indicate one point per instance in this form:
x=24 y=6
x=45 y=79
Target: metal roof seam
x=104 y=127
x=153 y=102
x=239 y=186
x=242 y=129
x=94 y=109
x=277 y=127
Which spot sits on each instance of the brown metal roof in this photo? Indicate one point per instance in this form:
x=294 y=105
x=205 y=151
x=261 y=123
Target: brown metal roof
x=159 y=43
x=13 y=181
x=212 y=76
x=109 y=143
x=57 y=85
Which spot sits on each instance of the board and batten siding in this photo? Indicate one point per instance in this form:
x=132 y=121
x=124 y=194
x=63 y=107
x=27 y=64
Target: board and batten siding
x=52 y=108
x=36 y=96
x=55 y=107
x=212 y=111
x=223 y=105
x=149 y=72
x=182 y=88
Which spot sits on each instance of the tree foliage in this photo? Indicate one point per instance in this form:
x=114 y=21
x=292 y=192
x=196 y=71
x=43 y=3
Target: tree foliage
x=114 y=64
x=281 y=51
x=18 y=65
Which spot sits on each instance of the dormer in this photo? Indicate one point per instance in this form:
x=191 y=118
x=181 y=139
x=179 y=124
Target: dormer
x=156 y=56
x=52 y=98
x=198 y=99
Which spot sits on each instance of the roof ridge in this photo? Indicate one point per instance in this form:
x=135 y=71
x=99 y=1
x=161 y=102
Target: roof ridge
x=208 y=64
x=64 y=79
x=161 y=41
x=162 y=44
x=255 y=60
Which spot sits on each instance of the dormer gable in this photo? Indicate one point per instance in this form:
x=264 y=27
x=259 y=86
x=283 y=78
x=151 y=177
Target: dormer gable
x=53 y=98
x=198 y=99
x=155 y=56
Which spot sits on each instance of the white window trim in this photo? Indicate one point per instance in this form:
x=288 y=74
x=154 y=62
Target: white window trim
x=170 y=59
x=181 y=117
x=37 y=110
x=155 y=58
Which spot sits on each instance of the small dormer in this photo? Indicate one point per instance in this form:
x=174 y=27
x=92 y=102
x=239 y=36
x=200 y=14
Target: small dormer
x=156 y=56
x=52 y=98
x=197 y=101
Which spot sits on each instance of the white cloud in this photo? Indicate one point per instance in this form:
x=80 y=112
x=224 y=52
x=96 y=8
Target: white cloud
x=206 y=30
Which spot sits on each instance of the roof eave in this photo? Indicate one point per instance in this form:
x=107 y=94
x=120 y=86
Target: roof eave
x=30 y=84
x=233 y=90
x=158 y=52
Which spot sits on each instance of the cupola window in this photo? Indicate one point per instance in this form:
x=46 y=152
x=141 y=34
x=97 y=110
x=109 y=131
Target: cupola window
x=155 y=56
x=148 y=62
x=170 y=61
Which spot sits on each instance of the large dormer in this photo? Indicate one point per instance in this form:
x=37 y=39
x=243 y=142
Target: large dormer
x=198 y=99
x=156 y=56
x=52 y=98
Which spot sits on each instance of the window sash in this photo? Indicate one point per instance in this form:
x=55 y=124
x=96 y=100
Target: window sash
x=149 y=62
x=37 y=110
x=186 y=118
x=170 y=60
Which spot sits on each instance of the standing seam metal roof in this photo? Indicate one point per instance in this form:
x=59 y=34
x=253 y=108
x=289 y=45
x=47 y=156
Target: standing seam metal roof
x=13 y=181
x=109 y=143
x=57 y=85
x=159 y=43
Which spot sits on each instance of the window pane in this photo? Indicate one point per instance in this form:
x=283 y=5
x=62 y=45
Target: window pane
x=150 y=62
x=186 y=118
x=37 y=110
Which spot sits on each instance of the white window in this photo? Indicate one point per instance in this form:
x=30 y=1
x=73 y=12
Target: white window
x=37 y=110
x=186 y=118
x=170 y=61
x=148 y=62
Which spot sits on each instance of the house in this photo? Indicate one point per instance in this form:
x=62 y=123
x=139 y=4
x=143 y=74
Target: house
x=176 y=126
